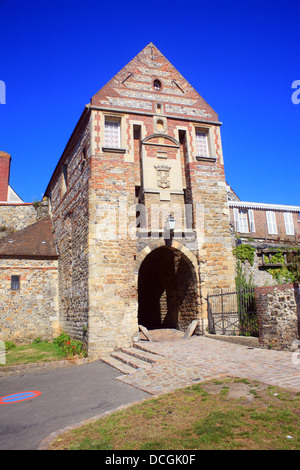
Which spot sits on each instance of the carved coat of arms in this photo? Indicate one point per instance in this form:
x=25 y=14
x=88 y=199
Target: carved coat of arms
x=163 y=174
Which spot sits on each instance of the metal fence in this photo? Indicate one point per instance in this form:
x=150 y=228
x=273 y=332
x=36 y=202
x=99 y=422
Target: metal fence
x=233 y=313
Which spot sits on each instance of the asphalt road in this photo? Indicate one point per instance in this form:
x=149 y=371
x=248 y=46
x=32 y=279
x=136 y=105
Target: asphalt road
x=68 y=396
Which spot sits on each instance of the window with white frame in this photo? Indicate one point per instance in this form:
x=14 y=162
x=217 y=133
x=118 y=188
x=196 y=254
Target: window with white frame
x=289 y=224
x=243 y=220
x=202 y=143
x=271 y=223
x=112 y=132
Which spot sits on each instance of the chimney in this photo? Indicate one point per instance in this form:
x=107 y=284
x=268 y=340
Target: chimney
x=4 y=175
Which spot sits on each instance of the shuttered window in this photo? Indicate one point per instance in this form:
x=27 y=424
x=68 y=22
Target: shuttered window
x=236 y=220
x=251 y=220
x=243 y=220
x=271 y=223
x=288 y=222
x=112 y=133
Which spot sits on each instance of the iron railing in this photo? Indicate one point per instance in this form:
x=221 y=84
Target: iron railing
x=233 y=312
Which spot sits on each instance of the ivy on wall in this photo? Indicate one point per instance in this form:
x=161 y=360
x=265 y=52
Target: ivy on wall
x=285 y=274
x=245 y=253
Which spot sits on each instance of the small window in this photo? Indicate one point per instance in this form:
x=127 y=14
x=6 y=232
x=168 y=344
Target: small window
x=15 y=282
x=160 y=125
x=83 y=160
x=112 y=133
x=157 y=84
x=65 y=178
x=202 y=144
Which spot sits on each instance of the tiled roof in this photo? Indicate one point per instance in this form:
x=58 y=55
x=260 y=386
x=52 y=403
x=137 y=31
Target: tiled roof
x=35 y=241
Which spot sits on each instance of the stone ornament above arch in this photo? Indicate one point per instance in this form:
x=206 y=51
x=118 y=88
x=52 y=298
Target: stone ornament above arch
x=147 y=140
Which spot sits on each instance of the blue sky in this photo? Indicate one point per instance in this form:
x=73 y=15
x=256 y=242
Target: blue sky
x=241 y=56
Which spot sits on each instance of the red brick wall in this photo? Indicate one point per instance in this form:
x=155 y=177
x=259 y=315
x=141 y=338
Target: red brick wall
x=4 y=175
x=261 y=229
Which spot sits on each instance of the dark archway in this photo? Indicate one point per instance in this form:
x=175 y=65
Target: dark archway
x=167 y=290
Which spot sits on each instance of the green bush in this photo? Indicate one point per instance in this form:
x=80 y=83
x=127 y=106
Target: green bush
x=9 y=345
x=38 y=340
x=285 y=274
x=61 y=339
x=71 y=347
x=245 y=253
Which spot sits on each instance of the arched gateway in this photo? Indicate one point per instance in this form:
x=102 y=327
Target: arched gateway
x=167 y=290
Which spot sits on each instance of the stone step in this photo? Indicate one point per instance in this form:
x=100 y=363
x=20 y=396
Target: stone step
x=142 y=354
x=146 y=347
x=119 y=365
x=130 y=360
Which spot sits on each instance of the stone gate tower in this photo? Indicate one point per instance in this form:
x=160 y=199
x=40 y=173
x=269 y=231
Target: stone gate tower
x=146 y=153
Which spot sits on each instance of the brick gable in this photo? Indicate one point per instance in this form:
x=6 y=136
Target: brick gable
x=132 y=89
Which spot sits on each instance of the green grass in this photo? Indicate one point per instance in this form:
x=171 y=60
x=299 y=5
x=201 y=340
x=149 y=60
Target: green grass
x=232 y=414
x=32 y=353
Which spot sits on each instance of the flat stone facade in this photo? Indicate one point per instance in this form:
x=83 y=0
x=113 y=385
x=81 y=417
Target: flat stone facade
x=32 y=310
x=278 y=311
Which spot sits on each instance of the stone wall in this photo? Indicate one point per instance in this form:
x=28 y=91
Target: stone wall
x=112 y=284
x=68 y=192
x=260 y=276
x=20 y=215
x=278 y=311
x=31 y=311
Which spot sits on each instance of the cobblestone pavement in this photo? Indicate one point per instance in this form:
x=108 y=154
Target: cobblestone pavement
x=183 y=362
